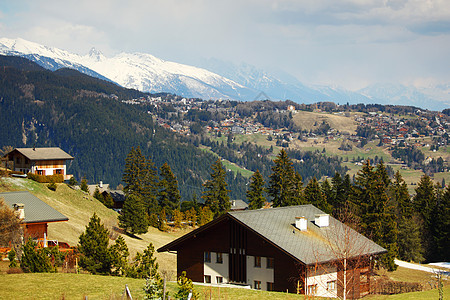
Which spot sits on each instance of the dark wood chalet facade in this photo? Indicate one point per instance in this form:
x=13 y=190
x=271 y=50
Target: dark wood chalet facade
x=279 y=249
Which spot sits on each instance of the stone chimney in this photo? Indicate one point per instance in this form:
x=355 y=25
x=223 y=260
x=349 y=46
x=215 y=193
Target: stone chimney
x=19 y=209
x=322 y=220
x=301 y=223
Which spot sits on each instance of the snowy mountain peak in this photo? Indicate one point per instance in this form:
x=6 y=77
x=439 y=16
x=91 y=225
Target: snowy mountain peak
x=96 y=55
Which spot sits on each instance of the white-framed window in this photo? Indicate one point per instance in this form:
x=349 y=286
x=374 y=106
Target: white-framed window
x=207 y=257
x=312 y=289
x=219 y=279
x=257 y=285
x=331 y=285
x=207 y=278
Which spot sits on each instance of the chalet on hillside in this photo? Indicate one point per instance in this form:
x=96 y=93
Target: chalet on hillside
x=34 y=213
x=293 y=249
x=41 y=161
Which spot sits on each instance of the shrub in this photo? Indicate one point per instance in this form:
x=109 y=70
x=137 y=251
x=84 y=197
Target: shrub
x=57 y=178
x=52 y=186
x=389 y=287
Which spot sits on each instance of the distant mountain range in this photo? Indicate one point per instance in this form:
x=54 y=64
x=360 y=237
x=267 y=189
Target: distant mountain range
x=215 y=79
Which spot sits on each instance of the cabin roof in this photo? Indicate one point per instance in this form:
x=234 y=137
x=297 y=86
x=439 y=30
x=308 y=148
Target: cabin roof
x=48 y=153
x=36 y=210
x=277 y=226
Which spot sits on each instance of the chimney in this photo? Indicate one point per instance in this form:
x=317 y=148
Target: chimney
x=301 y=223
x=233 y=202
x=322 y=220
x=19 y=209
x=100 y=184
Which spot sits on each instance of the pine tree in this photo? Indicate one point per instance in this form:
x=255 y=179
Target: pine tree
x=119 y=256
x=177 y=218
x=145 y=265
x=140 y=178
x=133 y=217
x=84 y=186
x=205 y=215
x=95 y=256
x=327 y=191
x=424 y=203
x=284 y=183
x=440 y=228
x=313 y=195
x=255 y=195
x=409 y=225
x=185 y=288
x=372 y=206
x=216 y=192
x=168 y=195
x=34 y=259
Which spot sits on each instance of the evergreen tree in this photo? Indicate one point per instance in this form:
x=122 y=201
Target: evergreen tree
x=284 y=183
x=327 y=191
x=169 y=195
x=34 y=259
x=313 y=195
x=409 y=225
x=255 y=192
x=133 y=217
x=185 y=288
x=205 y=215
x=119 y=256
x=372 y=206
x=216 y=192
x=424 y=203
x=95 y=256
x=177 y=218
x=440 y=228
x=145 y=265
x=140 y=178
x=84 y=186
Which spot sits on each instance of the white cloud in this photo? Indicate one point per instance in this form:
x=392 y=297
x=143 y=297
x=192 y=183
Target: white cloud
x=349 y=42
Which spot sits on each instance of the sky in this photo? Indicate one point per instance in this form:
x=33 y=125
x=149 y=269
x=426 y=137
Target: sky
x=351 y=43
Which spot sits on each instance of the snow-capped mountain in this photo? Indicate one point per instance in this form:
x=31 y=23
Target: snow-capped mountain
x=216 y=79
x=433 y=97
x=140 y=71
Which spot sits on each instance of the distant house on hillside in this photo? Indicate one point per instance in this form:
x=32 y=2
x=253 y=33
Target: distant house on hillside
x=34 y=213
x=238 y=205
x=41 y=161
x=293 y=249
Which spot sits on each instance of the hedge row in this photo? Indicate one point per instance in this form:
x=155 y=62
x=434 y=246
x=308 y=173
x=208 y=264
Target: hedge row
x=58 y=178
x=389 y=287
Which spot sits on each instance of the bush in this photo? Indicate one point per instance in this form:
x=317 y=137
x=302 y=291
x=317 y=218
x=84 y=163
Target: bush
x=58 y=178
x=389 y=287
x=52 y=186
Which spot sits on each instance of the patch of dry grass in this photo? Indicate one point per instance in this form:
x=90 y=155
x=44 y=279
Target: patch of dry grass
x=311 y=120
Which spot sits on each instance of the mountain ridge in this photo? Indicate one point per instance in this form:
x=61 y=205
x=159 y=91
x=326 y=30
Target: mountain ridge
x=216 y=79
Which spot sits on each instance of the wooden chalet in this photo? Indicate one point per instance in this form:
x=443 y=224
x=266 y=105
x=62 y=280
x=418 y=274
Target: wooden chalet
x=299 y=249
x=41 y=161
x=34 y=213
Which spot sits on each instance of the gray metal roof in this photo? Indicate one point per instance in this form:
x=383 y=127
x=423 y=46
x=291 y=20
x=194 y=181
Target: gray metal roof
x=50 y=153
x=36 y=210
x=317 y=244
x=238 y=204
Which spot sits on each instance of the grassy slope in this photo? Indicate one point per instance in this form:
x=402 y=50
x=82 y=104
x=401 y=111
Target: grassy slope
x=79 y=207
x=76 y=286
x=307 y=120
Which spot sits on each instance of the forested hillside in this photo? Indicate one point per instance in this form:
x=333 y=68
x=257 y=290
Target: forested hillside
x=84 y=116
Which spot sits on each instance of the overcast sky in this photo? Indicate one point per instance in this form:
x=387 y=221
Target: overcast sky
x=346 y=43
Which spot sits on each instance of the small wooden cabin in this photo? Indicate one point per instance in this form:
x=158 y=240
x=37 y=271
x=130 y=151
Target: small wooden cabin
x=34 y=213
x=299 y=249
x=41 y=161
